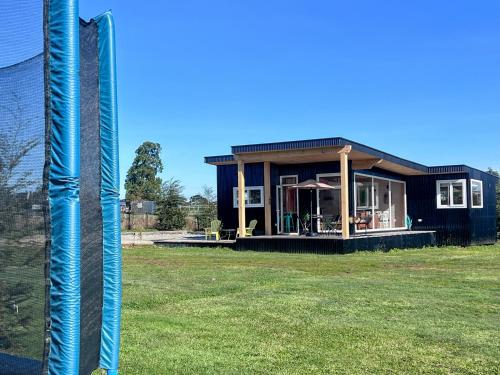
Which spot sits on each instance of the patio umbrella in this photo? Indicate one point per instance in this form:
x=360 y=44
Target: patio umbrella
x=312 y=185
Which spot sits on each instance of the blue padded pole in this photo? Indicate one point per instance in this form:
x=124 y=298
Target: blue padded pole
x=64 y=173
x=110 y=196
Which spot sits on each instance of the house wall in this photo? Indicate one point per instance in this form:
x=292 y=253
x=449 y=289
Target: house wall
x=456 y=226
x=483 y=220
x=227 y=178
x=452 y=225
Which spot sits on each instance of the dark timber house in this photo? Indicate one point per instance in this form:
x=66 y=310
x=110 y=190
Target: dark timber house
x=373 y=192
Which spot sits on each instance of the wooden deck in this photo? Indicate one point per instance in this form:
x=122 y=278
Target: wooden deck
x=333 y=244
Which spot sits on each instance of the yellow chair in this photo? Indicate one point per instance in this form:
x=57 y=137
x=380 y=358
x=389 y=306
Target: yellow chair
x=214 y=230
x=249 y=230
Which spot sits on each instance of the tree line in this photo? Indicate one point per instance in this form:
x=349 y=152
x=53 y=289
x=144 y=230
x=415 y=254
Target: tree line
x=172 y=206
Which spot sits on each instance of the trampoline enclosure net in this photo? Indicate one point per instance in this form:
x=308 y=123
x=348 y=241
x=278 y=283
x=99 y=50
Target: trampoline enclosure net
x=23 y=196
x=27 y=255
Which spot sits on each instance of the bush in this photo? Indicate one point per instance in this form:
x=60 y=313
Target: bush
x=170 y=210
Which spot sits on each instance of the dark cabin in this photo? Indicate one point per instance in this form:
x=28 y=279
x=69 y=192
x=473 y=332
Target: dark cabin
x=371 y=192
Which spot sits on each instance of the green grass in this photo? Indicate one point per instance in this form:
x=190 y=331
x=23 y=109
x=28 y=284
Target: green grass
x=206 y=311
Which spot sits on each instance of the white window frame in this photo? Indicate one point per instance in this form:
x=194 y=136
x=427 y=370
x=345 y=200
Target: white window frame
x=391 y=180
x=450 y=183
x=370 y=190
x=471 y=195
x=247 y=188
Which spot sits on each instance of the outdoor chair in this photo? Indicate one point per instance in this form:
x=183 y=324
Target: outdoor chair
x=214 y=230
x=384 y=220
x=337 y=224
x=365 y=221
x=289 y=227
x=248 y=230
x=328 y=224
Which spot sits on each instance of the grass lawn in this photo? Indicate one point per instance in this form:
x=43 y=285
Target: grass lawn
x=217 y=311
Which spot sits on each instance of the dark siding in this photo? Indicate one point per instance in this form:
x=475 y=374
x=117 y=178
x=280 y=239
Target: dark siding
x=458 y=226
x=227 y=178
x=483 y=220
x=331 y=245
x=452 y=226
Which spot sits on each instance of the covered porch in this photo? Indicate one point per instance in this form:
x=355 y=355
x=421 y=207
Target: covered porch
x=358 y=202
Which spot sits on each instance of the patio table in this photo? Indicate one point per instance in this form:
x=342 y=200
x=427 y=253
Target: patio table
x=228 y=233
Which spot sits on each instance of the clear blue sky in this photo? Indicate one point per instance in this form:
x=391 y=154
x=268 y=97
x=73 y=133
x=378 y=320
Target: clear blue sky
x=417 y=79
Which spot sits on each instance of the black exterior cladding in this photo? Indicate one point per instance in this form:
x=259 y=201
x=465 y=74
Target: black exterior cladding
x=227 y=179
x=458 y=226
x=90 y=201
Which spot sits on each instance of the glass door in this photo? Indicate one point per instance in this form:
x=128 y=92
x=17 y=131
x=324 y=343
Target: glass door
x=380 y=203
x=279 y=204
x=328 y=201
x=288 y=205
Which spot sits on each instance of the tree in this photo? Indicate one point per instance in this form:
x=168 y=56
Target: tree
x=170 y=207
x=20 y=188
x=142 y=182
x=16 y=177
x=203 y=207
x=496 y=173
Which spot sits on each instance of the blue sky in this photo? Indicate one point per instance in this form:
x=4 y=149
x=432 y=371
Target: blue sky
x=416 y=79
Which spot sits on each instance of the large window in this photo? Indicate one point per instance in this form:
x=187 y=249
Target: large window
x=254 y=196
x=451 y=194
x=476 y=193
x=380 y=203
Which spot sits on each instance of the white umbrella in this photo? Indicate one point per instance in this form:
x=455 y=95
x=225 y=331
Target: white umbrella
x=312 y=185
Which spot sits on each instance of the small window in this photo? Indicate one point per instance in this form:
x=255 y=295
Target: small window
x=254 y=196
x=476 y=193
x=451 y=194
x=288 y=180
x=364 y=195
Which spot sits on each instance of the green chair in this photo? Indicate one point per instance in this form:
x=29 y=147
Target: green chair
x=249 y=230
x=288 y=222
x=214 y=230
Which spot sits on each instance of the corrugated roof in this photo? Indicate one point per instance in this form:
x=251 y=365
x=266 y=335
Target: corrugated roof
x=333 y=142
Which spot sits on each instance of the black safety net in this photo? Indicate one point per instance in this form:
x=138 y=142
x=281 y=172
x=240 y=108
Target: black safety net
x=90 y=201
x=23 y=191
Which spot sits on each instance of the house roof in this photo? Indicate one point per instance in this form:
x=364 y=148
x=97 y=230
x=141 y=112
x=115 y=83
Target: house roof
x=323 y=149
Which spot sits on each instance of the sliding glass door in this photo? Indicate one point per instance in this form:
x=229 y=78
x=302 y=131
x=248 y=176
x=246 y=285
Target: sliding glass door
x=380 y=203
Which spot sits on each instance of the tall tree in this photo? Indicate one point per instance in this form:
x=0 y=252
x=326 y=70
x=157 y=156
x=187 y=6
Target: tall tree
x=142 y=182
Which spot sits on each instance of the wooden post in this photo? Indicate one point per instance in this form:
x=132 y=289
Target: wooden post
x=344 y=189
x=267 y=199
x=241 y=198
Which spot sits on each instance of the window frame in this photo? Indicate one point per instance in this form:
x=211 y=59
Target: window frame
x=373 y=186
x=449 y=184
x=248 y=188
x=391 y=181
x=472 y=196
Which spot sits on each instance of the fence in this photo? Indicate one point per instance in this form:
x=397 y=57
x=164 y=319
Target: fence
x=138 y=221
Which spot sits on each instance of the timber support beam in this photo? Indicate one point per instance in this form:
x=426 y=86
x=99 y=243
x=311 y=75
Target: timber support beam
x=267 y=199
x=241 y=199
x=344 y=189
